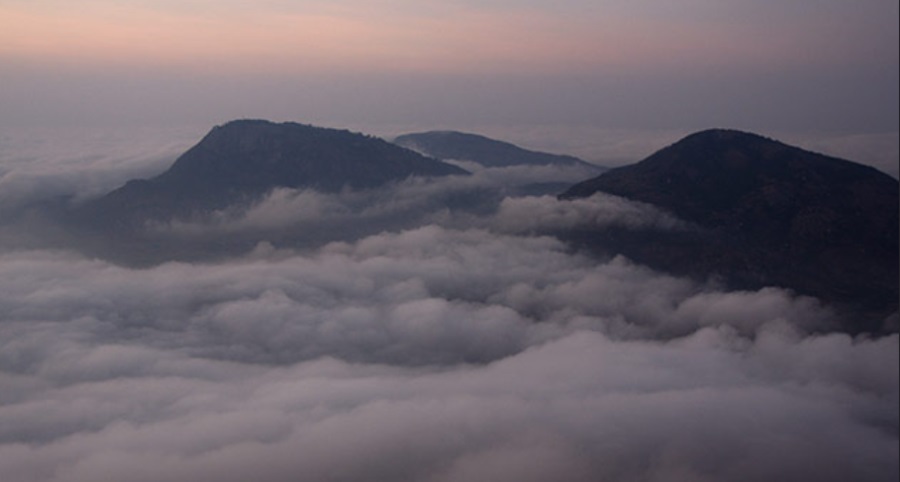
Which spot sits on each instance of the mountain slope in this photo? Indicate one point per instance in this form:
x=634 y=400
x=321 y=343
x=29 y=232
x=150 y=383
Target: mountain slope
x=772 y=214
x=482 y=150
x=242 y=160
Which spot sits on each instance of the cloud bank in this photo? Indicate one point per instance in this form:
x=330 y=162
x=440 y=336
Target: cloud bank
x=431 y=354
x=432 y=332
x=36 y=164
x=491 y=199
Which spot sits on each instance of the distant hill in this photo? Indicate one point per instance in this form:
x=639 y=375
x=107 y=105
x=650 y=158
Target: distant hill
x=244 y=159
x=772 y=214
x=483 y=150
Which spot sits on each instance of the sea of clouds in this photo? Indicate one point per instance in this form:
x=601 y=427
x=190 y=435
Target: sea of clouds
x=450 y=345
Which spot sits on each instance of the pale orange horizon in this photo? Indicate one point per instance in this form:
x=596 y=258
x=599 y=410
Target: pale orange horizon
x=697 y=63
x=323 y=37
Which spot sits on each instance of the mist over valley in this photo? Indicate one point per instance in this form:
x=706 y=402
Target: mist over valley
x=289 y=302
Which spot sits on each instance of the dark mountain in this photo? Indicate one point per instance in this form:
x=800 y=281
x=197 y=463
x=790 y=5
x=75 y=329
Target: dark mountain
x=242 y=160
x=771 y=214
x=482 y=150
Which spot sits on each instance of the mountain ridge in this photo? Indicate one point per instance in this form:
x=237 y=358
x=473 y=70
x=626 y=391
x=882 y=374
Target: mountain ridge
x=241 y=160
x=772 y=214
x=456 y=145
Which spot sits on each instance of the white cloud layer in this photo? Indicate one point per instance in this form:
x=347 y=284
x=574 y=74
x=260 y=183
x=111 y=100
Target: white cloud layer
x=440 y=339
x=36 y=164
x=600 y=210
x=456 y=201
x=435 y=355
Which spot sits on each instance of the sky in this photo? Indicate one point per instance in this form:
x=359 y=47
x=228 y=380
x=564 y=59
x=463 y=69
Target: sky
x=797 y=67
x=405 y=340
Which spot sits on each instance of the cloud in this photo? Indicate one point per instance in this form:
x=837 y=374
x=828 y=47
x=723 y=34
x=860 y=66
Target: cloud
x=426 y=338
x=600 y=210
x=426 y=296
x=38 y=164
x=708 y=407
x=457 y=201
x=432 y=354
x=489 y=199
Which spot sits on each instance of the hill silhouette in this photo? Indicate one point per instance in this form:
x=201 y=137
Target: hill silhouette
x=771 y=214
x=482 y=150
x=242 y=160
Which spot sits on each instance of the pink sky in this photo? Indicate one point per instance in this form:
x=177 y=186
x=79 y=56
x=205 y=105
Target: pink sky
x=444 y=36
x=757 y=64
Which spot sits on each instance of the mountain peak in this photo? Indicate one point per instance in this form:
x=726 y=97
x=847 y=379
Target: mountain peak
x=774 y=212
x=723 y=135
x=262 y=129
x=242 y=160
x=706 y=175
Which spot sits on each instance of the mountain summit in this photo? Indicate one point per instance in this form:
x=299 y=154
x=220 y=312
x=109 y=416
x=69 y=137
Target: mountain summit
x=242 y=160
x=771 y=214
x=483 y=150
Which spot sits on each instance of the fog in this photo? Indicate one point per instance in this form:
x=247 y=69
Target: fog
x=41 y=163
x=436 y=332
x=429 y=354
